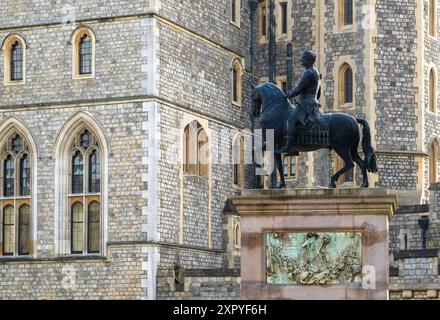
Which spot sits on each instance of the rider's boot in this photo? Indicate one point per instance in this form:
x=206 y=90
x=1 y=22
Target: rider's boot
x=288 y=147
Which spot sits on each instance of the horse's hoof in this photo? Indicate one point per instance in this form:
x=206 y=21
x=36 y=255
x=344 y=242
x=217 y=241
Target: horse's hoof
x=281 y=186
x=364 y=186
x=332 y=185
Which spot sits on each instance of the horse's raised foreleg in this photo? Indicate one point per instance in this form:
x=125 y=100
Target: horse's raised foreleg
x=360 y=163
x=349 y=164
x=279 y=166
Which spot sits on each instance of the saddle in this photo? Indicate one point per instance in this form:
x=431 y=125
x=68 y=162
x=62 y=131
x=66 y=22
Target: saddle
x=315 y=131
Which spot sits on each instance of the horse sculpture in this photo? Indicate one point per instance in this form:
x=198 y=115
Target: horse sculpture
x=337 y=131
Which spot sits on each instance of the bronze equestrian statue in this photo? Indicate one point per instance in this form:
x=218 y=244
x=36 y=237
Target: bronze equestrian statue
x=302 y=128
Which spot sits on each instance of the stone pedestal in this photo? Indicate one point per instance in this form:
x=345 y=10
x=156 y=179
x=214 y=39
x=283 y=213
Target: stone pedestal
x=315 y=243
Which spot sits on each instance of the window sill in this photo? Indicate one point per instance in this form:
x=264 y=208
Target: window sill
x=434 y=113
x=83 y=77
x=236 y=104
x=345 y=107
x=263 y=40
x=72 y=195
x=95 y=256
x=235 y=24
x=14 y=83
x=16 y=258
x=284 y=37
x=434 y=38
x=347 y=29
x=237 y=187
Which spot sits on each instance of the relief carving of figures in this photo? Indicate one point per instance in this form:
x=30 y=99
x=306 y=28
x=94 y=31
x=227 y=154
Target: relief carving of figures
x=314 y=258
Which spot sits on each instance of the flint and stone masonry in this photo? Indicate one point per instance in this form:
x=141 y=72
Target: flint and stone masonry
x=161 y=64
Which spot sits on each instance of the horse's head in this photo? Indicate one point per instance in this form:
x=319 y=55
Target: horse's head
x=266 y=94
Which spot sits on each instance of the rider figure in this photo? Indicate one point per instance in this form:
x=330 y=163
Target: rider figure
x=308 y=89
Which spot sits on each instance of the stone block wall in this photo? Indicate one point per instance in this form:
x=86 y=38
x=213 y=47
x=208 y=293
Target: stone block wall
x=118 y=277
x=201 y=284
x=49 y=68
x=195 y=211
x=52 y=12
x=212 y=21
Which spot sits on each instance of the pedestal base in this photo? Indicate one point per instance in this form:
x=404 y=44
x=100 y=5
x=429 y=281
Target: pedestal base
x=315 y=243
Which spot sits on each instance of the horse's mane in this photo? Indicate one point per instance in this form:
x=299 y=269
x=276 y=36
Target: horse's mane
x=271 y=91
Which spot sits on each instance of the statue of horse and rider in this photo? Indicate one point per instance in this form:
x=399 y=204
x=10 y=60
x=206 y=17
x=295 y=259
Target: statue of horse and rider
x=303 y=128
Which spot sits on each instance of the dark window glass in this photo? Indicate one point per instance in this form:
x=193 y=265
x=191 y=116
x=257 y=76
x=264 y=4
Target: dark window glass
x=25 y=175
x=9 y=177
x=283 y=17
x=285 y=166
x=94 y=173
x=235 y=84
x=348 y=12
x=93 y=234
x=236 y=178
x=16 y=144
x=284 y=87
x=85 y=55
x=8 y=231
x=263 y=21
x=77 y=173
x=236 y=163
x=233 y=11
x=16 y=62
x=24 y=221
x=348 y=85
x=77 y=231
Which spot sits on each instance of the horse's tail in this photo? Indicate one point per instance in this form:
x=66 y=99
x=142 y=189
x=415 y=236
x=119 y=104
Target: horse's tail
x=370 y=155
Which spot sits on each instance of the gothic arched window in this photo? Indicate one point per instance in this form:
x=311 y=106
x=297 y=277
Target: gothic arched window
x=14 y=48
x=346 y=86
x=16 y=200
x=83 y=42
x=237 y=235
x=196 y=150
x=237 y=73
x=85 y=194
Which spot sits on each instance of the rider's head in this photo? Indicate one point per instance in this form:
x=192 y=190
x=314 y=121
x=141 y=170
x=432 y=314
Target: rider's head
x=308 y=58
